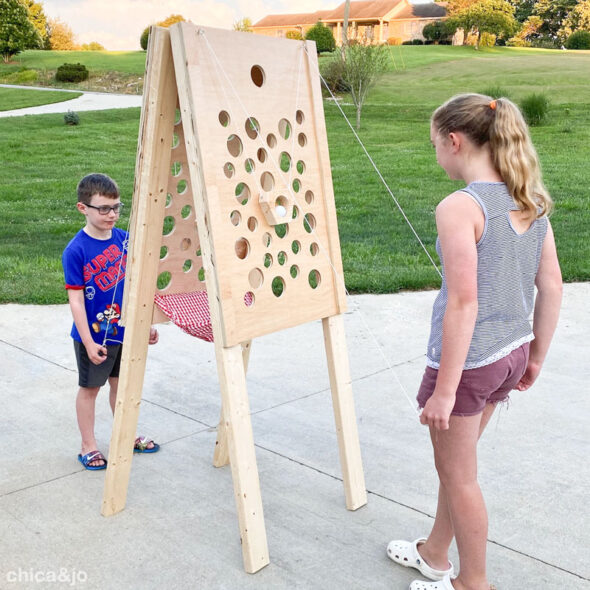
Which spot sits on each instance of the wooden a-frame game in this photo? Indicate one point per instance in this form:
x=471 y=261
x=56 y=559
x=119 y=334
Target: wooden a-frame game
x=233 y=162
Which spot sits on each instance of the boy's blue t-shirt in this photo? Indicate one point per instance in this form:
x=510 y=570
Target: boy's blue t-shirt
x=98 y=267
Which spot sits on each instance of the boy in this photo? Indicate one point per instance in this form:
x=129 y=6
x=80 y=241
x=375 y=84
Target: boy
x=94 y=267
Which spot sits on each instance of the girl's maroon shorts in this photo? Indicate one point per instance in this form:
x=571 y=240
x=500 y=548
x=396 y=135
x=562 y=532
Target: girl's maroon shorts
x=485 y=385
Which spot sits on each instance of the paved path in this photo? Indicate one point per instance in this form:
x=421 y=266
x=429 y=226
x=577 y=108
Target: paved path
x=89 y=101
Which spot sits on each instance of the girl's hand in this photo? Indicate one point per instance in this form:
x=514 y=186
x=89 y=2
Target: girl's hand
x=154 y=336
x=436 y=412
x=530 y=375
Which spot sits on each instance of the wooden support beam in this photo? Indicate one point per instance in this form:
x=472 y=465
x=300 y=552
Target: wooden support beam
x=152 y=173
x=344 y=413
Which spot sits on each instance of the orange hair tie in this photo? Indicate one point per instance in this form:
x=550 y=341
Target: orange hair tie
x=493 y=104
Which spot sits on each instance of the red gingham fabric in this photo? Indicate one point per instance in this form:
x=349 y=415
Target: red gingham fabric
x=189 y=311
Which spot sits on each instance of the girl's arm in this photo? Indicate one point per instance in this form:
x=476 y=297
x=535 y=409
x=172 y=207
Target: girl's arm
x=458 y=220
x=96 y=353
x=547 y=304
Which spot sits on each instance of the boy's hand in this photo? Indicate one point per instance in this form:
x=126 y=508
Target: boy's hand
x=154 y=336
x=96 y=353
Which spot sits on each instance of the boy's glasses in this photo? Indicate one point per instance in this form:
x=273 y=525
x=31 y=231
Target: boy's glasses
x=105 y=209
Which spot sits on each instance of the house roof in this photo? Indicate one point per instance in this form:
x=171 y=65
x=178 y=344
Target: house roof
x=363 y=9
x=288 y=20
x=429 y=10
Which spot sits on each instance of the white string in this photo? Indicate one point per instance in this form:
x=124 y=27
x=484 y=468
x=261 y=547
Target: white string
x=322 y=249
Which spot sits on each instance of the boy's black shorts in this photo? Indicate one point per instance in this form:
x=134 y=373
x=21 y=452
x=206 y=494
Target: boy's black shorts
x=91 y=375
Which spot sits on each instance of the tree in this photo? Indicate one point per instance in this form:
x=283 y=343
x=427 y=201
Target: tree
x=92 y=46
x=456 y=6
x=488 y=16
x=294 y=35
x=324 y=40
x=523 y=9
x=61 y=36
x=577 y=20
x=528 y=32
x=438 y=30
x=363 y=66
x=17 y=33
x=167 y=22
x=39 y=21
x=553 y=13
x=244 y=25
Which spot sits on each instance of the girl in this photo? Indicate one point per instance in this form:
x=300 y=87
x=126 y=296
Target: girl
x=495 y=245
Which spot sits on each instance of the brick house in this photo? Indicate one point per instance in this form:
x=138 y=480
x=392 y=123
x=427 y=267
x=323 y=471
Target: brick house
x=369 y=20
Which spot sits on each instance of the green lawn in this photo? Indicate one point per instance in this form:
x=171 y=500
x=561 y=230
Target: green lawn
x=44 y=159
x=16 y=98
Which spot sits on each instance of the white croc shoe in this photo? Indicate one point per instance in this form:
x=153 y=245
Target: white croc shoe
x=406 y=553
x=444 y=584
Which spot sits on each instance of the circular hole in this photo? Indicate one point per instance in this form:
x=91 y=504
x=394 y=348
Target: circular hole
x=168 y=199
x=242 y=193
x=294 y=271
x=235 y=218
x=188 y=264
x=252 y=127
x=255 y=278
x=249 y=165
x=299 y=117
x=228 y=169
x=177 y=116
x=176 y=168
x=314 y=279
x=185 y=244
x=186 y=211
x=224 y=118
x=309 y=197
x=261 y=155
x=242 y=248
x=296 y=185
x=175 y=140
x=181 y=186
x=163 y=252
x=249 y=299
x=281 y=230
x=308 y=222
x=257 y=75
x=252 y=223
x=271 y=140
x=267 y=181
x=164 y=279
x=278 y=286
x=201 y=274
x=285 y=162
x=300 y=167
x=234 y=145
x=168 y=225
x=282 y=258
x=295 y=212
x=296 y=246
x=266 y=239
x=199 y=252
x=267 y=260
x=302 y=139
x=314 y=249
x=284 y=129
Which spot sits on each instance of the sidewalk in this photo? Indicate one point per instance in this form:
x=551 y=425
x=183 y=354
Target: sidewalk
x=89 y=101
x=179 y=529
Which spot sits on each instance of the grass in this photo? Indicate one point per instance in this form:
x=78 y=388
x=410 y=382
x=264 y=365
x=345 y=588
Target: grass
x=13 y=98
x=43 y=160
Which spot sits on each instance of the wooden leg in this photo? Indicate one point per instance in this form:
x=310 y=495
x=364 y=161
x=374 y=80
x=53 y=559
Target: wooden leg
x=221 y=453
x=242 y=455
x=344 y=413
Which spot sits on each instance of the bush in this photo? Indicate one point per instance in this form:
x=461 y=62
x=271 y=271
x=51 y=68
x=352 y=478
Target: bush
x=495 y=92
x=72 y=73
x=23 y=76
x=144 y=39
x=71 y=118
x=487 y=40
x=324 y=40
x=417 y=42
x=295 y=35
x=535 y=108
x=578 y=40
x=394 y=41
x=333 y=74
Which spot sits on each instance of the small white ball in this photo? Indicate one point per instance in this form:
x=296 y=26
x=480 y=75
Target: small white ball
x=280 y=211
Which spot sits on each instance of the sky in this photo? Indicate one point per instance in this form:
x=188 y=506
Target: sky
x=117 y=24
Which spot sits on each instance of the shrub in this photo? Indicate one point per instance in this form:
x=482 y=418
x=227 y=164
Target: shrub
x=394 y=41
x=333 y=74
x=578 y=40
x=535 y=108
x=71 y=73
x=487 y=40
x=295 y=35
x=324 y=40
x=495 y=92
x=71 y=118
x=144 y=38
x=417 y=42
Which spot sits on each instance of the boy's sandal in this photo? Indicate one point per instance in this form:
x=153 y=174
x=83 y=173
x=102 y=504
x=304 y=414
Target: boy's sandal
x=90 y=457
x=406 y=553
x=444 y=584
x=141 y=445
